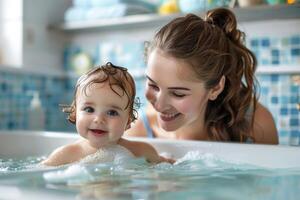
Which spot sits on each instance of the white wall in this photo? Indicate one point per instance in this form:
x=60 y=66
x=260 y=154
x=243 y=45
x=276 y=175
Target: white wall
x=11 y=32
x=271 y=28
x=25 y=41
x=42 y=49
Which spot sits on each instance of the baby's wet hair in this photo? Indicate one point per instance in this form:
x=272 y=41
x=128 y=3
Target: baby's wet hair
x=115 y=76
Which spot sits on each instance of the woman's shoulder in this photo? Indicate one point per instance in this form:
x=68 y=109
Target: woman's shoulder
x=264 y=128
x=140 y=127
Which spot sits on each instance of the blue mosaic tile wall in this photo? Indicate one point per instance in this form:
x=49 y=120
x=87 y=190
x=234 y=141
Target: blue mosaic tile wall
x=276 y=51
x=16 y=95
x=278 y=92
x=281 y=95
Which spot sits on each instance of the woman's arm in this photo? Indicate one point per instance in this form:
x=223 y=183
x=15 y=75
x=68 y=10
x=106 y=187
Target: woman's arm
x=264 y=128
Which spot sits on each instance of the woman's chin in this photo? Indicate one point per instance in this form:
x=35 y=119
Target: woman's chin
x=168 y=127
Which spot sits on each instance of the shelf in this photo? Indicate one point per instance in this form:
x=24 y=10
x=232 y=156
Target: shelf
x=255 y=13
x=268 y=12
x=116 y=23
x=282 y=69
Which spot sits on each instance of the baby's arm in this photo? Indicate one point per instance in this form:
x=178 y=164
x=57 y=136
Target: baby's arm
x=64 y=155
x=151 y=154
x=142 y=149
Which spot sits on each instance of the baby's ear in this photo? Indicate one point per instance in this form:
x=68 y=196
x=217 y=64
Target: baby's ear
x=128 y=126
x=72 y=117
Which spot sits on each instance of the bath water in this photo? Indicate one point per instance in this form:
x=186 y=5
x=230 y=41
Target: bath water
x=195 y=176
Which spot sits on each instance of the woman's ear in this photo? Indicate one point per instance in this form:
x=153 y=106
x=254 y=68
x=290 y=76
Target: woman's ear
x=215 y=91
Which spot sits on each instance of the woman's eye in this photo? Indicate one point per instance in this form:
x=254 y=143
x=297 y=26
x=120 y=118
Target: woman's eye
x=153 y=87
x=178 y=95
x=88 y=109
x=112 y=113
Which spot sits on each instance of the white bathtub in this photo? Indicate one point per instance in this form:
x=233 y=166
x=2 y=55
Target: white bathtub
x=20 y=144
x=17 y=144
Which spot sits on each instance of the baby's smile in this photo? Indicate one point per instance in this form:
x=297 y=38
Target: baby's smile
x=98 y=132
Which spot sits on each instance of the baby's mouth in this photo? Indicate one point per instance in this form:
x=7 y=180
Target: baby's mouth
x=98 y=131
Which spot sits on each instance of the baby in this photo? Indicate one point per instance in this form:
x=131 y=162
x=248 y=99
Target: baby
x=103 y=108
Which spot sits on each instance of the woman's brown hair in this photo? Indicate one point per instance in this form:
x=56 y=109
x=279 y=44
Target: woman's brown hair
x=115 y=76
x=214 y=48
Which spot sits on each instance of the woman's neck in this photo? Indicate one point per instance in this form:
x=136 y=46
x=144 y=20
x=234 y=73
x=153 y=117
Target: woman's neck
x=191 y=132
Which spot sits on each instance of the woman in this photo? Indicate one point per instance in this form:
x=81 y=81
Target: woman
x=201 y=84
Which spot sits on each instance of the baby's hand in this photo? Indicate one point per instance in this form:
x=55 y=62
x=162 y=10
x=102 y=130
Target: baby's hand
x=166 y=157
x=169 y=160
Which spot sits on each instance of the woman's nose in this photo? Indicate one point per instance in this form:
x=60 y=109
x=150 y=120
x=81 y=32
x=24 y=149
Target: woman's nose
x=160 y=103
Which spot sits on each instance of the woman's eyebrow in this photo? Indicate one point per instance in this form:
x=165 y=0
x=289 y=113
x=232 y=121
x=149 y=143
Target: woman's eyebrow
x=179 y=88
x=170 y=88
x=150 y=79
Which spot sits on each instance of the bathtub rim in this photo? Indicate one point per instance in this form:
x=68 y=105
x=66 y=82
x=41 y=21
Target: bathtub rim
x=42 y=143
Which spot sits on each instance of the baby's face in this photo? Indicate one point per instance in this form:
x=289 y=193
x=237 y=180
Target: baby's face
x=101 y=116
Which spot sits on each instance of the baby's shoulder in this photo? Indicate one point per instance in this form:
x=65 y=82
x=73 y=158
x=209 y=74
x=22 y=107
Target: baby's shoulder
x=64 y=155
x=75 y=148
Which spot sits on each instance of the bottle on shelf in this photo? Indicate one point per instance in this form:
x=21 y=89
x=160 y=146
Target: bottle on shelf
x=36 y=115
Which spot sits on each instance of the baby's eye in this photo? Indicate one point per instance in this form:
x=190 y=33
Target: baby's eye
x=89 y=109
x=112 y=113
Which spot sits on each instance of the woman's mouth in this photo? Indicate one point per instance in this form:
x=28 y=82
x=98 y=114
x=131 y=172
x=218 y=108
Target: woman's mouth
x=168 y=117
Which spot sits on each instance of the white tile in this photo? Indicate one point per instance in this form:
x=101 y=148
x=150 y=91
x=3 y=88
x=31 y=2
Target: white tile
x=10 y=9
x=11 y=43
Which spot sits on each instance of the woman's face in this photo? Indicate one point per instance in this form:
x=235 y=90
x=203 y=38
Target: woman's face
x=174 y=92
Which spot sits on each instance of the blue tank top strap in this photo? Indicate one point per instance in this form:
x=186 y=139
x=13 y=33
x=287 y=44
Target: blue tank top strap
x=146 y=124
x=249 y=115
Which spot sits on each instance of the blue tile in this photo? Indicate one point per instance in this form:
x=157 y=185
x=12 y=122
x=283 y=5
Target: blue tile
x=294 y=122
x=274 y=78
x=283 y=133
x=275 y=52
x=295 y=133
x=295 y=51
x=294 y=89
x=254 y=43
x=294 y=111
x=284 y=100
x=293 y=99
x=11 y=125
x=3 y=87
x=264 y=62
x=265 y=42
x=275 y=62
x=295 y=40
x=283 y=111
x=274 y=100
